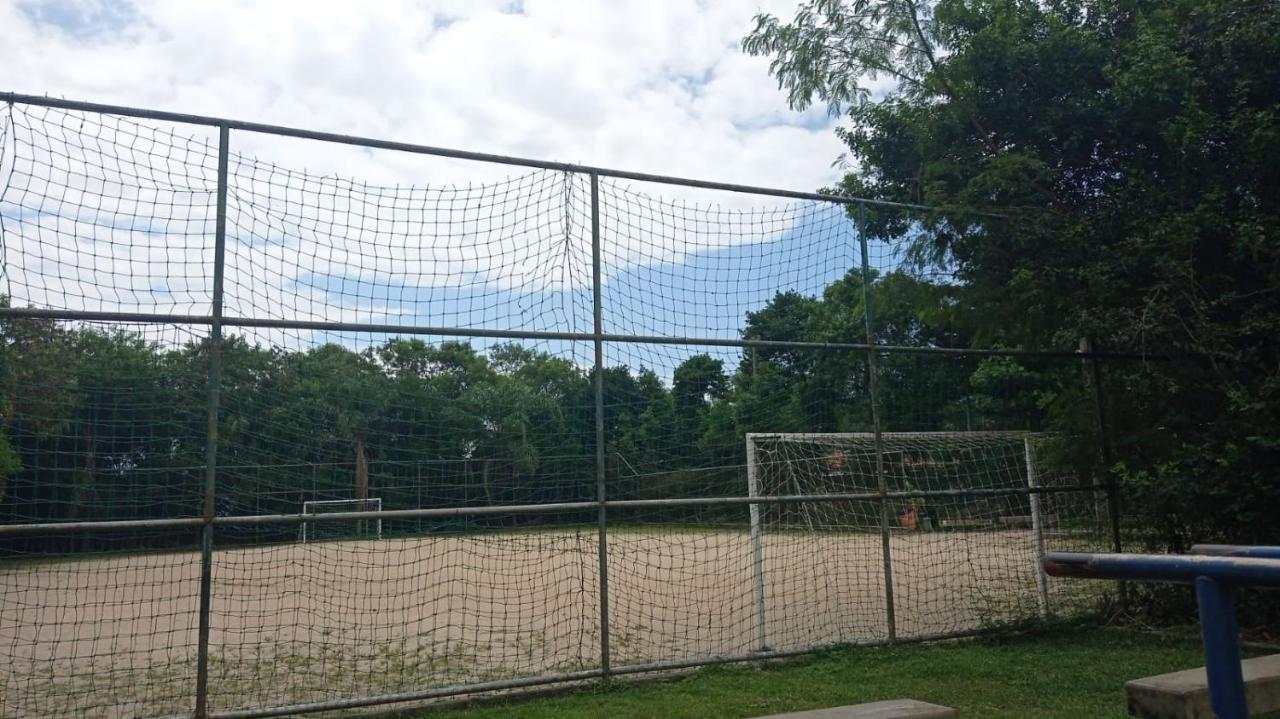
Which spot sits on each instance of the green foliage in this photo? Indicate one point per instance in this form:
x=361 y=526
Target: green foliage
x=107 y=425
x=10 y=463
x=1130 y=147
x=833 y=49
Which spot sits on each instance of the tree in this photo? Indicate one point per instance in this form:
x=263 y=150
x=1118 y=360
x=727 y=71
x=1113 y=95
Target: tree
x=10 y=462
x=696 y=384
x=39 y=395
x=814 y=390
x=334 y=400
x=1128 y=146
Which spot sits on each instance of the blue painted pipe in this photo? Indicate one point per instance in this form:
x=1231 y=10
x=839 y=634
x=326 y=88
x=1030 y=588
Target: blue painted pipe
x=1218 y=635
x=1230 y=571
x=1237 y=550
x=1214 y=573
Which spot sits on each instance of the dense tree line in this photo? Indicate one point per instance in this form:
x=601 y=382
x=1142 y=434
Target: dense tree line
x=1130 y=146
x=105 y=424
x=1125 y=148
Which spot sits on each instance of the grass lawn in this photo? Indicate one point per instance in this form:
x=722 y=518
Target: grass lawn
x=1067 y=672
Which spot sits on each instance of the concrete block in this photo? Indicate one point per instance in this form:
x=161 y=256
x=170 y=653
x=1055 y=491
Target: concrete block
x=1185 y=694
x=892 y=709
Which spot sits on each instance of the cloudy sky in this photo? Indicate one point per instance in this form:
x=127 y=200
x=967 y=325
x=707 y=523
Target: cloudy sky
x=649 y=85
x=644 y=85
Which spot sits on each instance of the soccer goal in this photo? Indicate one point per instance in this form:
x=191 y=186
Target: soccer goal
x=927 y=462
x=952 y=481
x=341 y=529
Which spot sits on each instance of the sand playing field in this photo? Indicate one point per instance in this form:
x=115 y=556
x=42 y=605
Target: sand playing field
x=116 y=637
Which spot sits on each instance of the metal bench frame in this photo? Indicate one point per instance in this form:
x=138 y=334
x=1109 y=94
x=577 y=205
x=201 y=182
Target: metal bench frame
x=1214 y=569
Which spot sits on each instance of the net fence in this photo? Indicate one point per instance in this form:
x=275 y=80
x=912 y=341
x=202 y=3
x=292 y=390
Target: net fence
x=539 y=426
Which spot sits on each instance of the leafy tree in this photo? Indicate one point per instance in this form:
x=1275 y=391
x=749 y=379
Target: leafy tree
x=10 y=462
x=334 y=402
x=1128 y=146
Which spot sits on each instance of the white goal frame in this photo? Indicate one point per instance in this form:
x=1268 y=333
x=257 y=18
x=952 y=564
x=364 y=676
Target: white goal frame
x=875 y=441
x=373 y=504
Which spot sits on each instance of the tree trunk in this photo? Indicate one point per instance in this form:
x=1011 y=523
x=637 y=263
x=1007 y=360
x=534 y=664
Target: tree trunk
x=484 y=479
x=362 y=470
x=82 y=481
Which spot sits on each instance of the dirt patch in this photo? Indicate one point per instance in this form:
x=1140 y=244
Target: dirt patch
x=116 y=637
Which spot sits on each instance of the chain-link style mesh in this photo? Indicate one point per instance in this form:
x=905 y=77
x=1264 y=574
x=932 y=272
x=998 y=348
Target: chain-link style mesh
x=408 y=462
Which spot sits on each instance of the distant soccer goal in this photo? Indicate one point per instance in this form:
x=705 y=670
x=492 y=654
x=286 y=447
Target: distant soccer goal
x=341 y=529
x=900 y=483
x=925 y=462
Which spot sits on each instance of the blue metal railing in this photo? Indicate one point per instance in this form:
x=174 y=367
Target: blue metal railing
x=1215 y=570
x=1237 y=550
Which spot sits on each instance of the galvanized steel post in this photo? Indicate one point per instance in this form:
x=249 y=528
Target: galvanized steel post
x=602 y=512
x=1037 y=528
x=211 y=438
x=1094 y=368
x=757 y=544
x=873 y=391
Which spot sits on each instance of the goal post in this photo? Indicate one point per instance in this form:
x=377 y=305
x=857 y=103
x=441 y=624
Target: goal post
x=757 y=546
x=834 y=463
x=339 y=529
x=1037 y=526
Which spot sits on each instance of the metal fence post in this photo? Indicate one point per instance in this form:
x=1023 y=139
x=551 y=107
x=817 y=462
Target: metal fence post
x=757 y=545
x=873 y=390
x=211 y=438
x=1093 y=379
x=1037 y=528
x=1108 y=457
x=602 y=516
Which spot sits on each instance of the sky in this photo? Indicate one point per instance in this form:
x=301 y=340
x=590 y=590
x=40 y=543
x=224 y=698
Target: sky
x=647 y=86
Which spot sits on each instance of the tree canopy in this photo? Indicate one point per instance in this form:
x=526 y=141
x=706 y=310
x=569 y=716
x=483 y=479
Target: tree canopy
x=1101 y=170
x=111 y=425
x=1130 y=147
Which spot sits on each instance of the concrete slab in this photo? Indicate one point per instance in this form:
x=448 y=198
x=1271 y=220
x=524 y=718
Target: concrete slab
x=1185 y=694
x=892 y=709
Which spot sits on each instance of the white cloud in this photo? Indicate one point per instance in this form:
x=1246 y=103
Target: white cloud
x=645 y=85
x=656 y=86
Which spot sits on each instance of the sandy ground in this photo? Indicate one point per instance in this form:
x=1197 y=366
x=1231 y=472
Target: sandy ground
x=116 y=637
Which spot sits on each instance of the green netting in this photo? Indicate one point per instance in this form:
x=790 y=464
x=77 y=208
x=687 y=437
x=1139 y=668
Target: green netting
x=416 y=357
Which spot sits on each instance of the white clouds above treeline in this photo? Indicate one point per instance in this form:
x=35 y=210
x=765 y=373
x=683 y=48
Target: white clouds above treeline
x=647 y=85
x=656 y=86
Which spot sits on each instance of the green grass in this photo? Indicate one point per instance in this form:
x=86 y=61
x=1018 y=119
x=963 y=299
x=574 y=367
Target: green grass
x=1068 y=673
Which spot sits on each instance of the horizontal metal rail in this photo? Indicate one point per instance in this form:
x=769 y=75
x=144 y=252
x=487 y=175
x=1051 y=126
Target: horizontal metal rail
x=105 y=525
x=868 y=496
x=285 y=131
x=1229 y=571
x=379 y=463
x=567 y=677
x=1237 y=550
x=399 y=329
x=1215 y=577
x=541 y=508
x=833 y=436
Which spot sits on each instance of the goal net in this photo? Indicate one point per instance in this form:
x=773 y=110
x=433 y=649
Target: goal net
x=947 y=493
x=959 y=474
x=341 y=528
